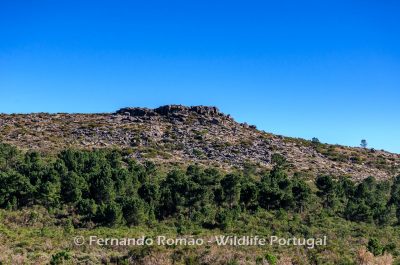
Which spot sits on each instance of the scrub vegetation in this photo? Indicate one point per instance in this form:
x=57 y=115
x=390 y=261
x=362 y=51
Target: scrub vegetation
x=47 y=200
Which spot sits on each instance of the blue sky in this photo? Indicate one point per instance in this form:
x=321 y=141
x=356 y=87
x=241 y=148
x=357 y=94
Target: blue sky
x=329 y=69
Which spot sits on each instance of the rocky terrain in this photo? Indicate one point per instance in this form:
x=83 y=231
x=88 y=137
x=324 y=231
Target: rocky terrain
x=179 y=134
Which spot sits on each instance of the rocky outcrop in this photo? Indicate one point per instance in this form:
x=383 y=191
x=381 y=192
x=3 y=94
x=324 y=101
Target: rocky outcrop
x=168 y=110
x=137 y=112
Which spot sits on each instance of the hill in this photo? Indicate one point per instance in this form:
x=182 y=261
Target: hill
x=188 y=173
x=176 y=134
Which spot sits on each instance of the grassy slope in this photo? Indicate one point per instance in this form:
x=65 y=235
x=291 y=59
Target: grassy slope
x=35 y=236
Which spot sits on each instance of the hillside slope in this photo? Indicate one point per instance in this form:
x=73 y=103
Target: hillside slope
x=180 y=134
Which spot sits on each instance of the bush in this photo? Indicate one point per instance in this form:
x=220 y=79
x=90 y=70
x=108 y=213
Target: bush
x=272 y=260
x=60 y=257
x=375 y=247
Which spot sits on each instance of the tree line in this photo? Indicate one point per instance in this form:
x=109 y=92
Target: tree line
x=109 y=188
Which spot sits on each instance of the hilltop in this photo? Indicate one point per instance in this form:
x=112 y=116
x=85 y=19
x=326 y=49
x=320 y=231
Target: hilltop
x=176 y=134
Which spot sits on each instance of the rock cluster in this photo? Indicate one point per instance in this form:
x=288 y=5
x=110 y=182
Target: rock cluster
x=168 y=110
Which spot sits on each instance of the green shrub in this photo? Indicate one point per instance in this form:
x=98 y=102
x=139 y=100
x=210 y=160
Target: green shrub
x=60 y=257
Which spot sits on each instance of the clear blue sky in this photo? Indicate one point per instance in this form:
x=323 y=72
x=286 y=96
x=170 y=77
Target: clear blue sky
x=329 y=69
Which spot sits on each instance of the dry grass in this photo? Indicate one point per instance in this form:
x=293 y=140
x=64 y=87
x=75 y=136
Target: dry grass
x=365 y=257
